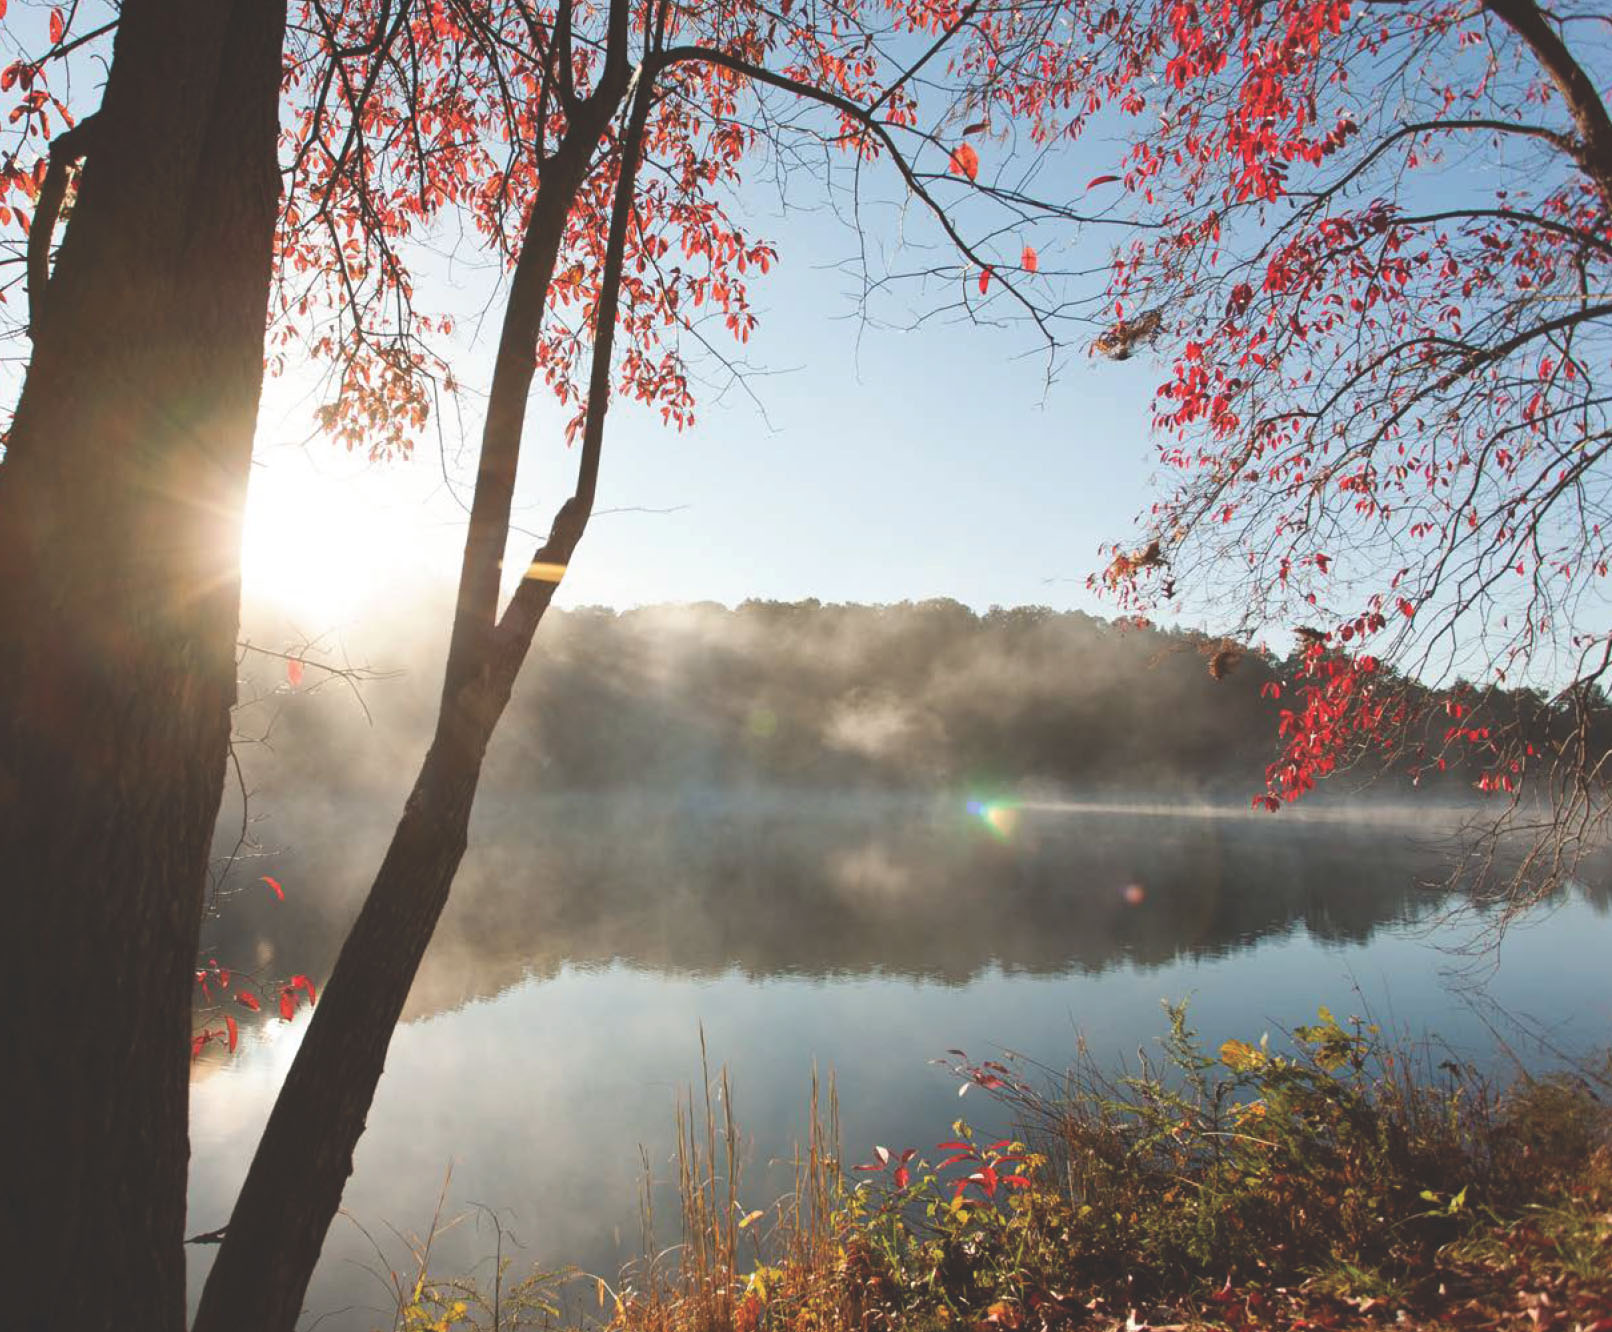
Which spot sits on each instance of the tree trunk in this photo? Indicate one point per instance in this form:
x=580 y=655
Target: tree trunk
x=305 y=1155
x=120 y=503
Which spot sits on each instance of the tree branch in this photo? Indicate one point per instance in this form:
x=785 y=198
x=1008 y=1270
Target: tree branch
x=551 y=559
x=1593 y=150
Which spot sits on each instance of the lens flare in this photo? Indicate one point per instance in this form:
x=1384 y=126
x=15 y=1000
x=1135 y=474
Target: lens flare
x=997 y=815
x=1003 y=819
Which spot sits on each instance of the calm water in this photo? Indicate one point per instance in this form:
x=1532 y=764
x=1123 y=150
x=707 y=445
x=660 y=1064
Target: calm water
x=559 y=1010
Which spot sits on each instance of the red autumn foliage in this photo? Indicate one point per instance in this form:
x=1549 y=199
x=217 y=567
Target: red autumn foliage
x=986 y=1168
x=965 y=161
x=1375 y=251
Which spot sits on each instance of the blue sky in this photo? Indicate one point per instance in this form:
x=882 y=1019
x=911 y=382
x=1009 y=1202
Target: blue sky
x=881 y=465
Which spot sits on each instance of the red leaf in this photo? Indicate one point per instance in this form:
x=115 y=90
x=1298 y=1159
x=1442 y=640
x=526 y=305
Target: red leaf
x=275 y=884
x=293 y=671
x=1030 y=259
x=247 y=998
x=965 y=161
x=978 y=127
x=1100 y=180
x=955 y=1146
x=303 y=983
x=883 y=1153
x=985 y=280
x=288 y=1003
x=902 y=1177
x=229 y=1024
x=953 y=1160
x=58 y=26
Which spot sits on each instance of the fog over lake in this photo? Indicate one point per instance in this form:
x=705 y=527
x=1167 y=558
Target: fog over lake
x=862 y=925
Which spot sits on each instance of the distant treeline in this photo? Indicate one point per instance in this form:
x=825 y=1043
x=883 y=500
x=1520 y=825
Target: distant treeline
x=915 y=694
x=782 y=788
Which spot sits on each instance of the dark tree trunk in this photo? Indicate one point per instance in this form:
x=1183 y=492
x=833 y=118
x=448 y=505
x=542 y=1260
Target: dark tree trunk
x=295 y=1182
x=294 y=1186
x=120 y=502
x=305 y=1155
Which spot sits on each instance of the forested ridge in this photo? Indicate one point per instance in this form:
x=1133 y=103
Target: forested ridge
x=927 y=695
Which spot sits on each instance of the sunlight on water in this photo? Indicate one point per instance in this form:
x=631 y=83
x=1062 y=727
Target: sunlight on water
x=1001 y=815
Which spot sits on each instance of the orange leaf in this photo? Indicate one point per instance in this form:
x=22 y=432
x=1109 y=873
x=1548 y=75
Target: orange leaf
x=275 y=884
x=58 y=26
x=1030 y=259
x=965 y=161
x=229 y=1023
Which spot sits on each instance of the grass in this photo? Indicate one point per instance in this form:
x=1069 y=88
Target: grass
x=1340 y=1180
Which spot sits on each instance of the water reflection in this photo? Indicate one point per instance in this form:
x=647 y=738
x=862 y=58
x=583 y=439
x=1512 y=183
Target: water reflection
x=913 y=888
x=590 y=941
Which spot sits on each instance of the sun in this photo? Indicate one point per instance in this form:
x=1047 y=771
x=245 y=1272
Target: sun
x=322 y=547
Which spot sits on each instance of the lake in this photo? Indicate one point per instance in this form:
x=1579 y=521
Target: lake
x=590 y=940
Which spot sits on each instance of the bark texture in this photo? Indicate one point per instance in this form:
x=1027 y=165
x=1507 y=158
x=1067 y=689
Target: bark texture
x=120 y=501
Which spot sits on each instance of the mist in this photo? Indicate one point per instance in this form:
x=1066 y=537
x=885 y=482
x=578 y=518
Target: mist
x=785 y=789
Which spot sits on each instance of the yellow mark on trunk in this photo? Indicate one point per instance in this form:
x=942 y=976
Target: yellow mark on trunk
x=545 y=572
